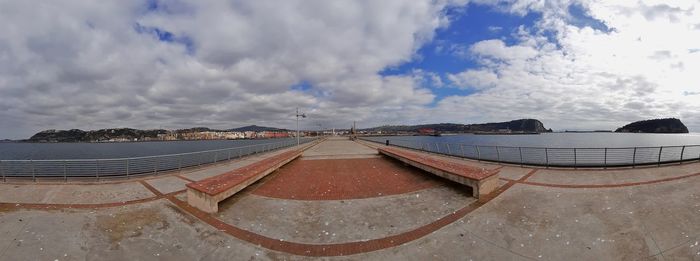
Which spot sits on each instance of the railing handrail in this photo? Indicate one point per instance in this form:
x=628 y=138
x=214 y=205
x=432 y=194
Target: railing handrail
x=143 y=157
x=131 y=166
x=573 y=157
x=554 y=148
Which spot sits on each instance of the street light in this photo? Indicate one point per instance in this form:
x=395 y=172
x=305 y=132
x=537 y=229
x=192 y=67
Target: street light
x=298 y=115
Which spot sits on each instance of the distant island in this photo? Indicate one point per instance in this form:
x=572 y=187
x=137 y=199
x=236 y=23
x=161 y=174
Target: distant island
x=514 y=127
x=668 y=125
x=128 y=134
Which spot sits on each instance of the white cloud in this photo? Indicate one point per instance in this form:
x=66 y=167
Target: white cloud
x=587 y=78
x=75 y=64
x=69 y=63
x=476 y=79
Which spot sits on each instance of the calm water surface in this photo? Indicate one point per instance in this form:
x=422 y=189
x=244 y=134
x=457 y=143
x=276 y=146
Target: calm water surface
x=564 y=140
x=38 y=151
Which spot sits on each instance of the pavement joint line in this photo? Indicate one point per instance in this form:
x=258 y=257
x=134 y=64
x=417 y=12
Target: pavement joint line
x=337 y=249
x=184 y=178
x=499 y=246
x=656 y=244
x=527 y=176
x=685 y=243
x=151 y=188
x=9 y=243
x=589 y=186
x=648 y=233
x=57 y=206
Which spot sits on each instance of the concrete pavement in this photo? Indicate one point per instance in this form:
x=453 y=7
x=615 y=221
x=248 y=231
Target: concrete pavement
x=343 y=201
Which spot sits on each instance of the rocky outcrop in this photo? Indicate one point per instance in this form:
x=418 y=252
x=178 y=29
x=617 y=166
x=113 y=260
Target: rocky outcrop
x=515 y=126
x=668 y=125
x=523 y=125
x=76 y=135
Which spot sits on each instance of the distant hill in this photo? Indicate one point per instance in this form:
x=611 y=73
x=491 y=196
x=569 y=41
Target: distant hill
x=522 y=125
x=76 y=135
x=124 y=134
x=256 y=128
x=668 y=125
x=195 y=129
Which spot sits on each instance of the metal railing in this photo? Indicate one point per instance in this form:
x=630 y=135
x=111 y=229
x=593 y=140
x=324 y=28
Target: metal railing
x=127 y=167
x=556 y=157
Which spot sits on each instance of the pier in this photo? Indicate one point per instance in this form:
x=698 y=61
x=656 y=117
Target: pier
x=342 y=199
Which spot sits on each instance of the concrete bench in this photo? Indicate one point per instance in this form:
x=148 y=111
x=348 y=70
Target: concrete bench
x=207 y=193
x=482 y=181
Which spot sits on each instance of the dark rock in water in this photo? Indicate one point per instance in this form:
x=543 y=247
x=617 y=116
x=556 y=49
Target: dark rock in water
x=669 y=125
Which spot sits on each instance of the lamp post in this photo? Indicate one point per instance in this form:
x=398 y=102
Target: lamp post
x=299 y=115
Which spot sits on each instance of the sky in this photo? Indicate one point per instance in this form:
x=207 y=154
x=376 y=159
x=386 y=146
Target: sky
x=573 y=64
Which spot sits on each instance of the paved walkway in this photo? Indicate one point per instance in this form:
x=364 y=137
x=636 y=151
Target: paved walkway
x=343 y=201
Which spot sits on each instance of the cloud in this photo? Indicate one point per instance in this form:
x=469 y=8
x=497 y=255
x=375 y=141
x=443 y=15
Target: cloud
x=182 y=63
x=579 y=77
x=71 y=64
x=496 y=49
x=476 y=79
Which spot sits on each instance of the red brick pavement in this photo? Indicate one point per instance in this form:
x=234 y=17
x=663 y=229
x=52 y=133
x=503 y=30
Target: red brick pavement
x=337 y=179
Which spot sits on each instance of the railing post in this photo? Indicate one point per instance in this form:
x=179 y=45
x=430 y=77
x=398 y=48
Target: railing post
x=546 y=157
x=461 y=147
x=437 y=147
x=575 y=160
x=682 y=152
x=520 y=149
x=498 y=154
x=65 y=172
x=661 y=149
x=97 y=170
x=634 y=157
x=2 y=172
x=216 y=156
x=449 y=151
x=605 y=159
x=31 y=162
x=478 y=153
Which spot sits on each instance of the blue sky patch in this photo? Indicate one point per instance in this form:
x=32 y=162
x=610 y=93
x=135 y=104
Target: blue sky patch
x=580 y=18
x=448 y=53
x=165 y=36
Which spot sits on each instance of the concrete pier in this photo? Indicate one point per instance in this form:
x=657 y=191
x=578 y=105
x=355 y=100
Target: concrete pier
x=342 y=200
